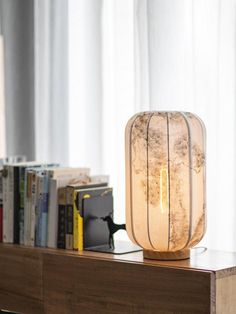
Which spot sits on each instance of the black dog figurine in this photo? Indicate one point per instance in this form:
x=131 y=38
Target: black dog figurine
x=112 y=229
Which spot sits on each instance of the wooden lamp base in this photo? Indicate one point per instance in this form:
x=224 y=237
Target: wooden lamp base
x=167 y=256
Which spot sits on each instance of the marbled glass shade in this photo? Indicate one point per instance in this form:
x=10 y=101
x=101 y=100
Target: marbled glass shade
x=165 y=181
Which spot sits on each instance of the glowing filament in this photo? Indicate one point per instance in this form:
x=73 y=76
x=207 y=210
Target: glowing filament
x=164 y=193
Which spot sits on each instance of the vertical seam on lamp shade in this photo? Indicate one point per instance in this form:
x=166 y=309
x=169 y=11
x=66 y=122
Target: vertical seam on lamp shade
x=204 y=172
x=131 y=185
x=152 y=114
x=168 y=164
x=190 y=179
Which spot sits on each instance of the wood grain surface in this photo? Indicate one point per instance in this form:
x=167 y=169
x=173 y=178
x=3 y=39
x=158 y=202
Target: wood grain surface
x=36 y=280
x=19 y=303
x=21 y=279
x=21 y=271
x=226 y=295
x=104 y=286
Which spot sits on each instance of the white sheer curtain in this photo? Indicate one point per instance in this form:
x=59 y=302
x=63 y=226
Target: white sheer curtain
x=51 y=80
x=34 y=120
x=101 y=89
x=185 y=54
x=2 y=102
x=177 y=55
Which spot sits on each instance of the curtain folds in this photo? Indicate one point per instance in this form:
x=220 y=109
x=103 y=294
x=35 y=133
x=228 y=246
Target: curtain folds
x=101 y=89
x=187 y=52
x=17 y=25
x=36 y=78
x=51 y=80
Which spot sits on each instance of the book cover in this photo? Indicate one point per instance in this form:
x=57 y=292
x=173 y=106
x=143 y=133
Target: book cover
x=82 y=194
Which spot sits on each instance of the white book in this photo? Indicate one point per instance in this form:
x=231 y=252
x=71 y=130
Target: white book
x=70 y=173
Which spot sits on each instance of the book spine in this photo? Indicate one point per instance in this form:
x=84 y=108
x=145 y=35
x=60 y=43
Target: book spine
x=75 y=223
x=8 y=212
x=5 y=202
x=21 y=209
x=38 y=211
x=26 y=209
x=69 y=218
x=45 y=197
x=52 y=214
x=1 y=222
x=33 y=205
x=1 y=206
x=80 y=232
x=81 y=223
x=69 y=227
x=16 y=208
x=61 y=243
x=44 y=219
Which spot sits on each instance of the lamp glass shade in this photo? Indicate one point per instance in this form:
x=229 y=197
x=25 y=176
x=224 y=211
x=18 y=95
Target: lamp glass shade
x=165 y=180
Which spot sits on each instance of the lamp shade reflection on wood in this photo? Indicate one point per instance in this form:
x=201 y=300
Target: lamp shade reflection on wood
x=165 y=182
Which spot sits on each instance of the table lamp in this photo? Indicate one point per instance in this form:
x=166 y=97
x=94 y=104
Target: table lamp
x=165 y=183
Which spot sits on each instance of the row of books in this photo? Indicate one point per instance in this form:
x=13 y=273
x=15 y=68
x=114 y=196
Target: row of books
x=43 y=205
x=82 y=209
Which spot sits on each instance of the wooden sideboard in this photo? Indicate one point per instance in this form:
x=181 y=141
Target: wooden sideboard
x=35 y=280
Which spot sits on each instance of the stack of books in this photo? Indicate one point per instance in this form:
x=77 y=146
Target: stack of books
x=45 y=205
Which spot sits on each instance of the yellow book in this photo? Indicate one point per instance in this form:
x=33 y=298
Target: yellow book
x=81 y=226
